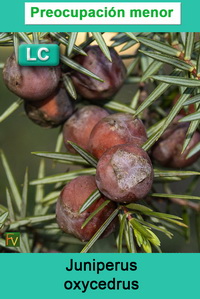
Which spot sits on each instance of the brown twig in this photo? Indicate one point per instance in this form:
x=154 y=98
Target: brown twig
x=181 y=202
x=182 y=57
x=127 y=213
x=186 y=203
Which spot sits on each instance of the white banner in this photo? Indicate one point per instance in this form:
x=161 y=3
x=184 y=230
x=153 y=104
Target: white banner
x=102 y=13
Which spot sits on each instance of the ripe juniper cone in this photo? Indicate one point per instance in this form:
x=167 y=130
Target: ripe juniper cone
x=124 y=173
x=50 y=112
x=30 y=82
x=71 y=199
x=119 y=128
x=113 y=73
x=79 y=126
x=167 y=151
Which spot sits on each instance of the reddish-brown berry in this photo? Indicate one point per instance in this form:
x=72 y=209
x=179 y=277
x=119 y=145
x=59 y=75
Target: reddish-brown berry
x=119 y=128
x=71 y=199
x=30 y=82
x=124 y=173
x=167 y=151
x=79 y=126
x=113 y=73
x=52 y=111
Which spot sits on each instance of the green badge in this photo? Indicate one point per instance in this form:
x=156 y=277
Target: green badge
x=12 y=239
x=38 y=55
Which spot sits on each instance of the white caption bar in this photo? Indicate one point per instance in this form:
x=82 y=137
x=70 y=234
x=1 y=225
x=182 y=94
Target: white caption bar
x=112 y=13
